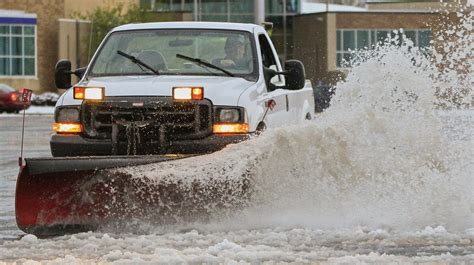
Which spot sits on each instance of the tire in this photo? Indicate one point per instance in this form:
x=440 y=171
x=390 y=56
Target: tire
x=322 y=97
x=261 y=127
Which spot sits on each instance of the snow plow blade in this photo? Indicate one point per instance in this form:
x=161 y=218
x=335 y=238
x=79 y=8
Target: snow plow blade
x=66 y=195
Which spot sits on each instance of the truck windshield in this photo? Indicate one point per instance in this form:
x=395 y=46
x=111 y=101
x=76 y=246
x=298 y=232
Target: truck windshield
x=233 y=51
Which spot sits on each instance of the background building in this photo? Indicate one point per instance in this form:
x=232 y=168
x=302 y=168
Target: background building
x=419 y=5
x=324 y=40
x=29 y=39
x=279 y=12
x=35 y=34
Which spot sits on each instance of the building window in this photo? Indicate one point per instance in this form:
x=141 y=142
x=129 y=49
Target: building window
x=351 y=39
x=17 y=50
x=167 y=5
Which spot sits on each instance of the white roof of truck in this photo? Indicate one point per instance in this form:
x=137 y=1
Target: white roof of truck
x=189 y=25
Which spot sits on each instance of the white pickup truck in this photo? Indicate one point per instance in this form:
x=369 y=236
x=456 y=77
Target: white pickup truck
x=178 y=87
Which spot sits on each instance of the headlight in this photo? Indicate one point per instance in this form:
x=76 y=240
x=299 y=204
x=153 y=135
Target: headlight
x=91 y=93
x=229 y=120
x=228 y=114
x=67 y=114
x=188 y=93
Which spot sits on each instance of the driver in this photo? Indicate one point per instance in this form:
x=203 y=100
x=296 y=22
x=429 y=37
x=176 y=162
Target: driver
x=235 y=51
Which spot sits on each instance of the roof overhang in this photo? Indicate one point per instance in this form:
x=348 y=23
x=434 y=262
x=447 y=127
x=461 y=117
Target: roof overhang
x=16 y=17
x=188 y=25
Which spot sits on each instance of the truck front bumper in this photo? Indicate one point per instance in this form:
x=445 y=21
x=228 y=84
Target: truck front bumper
x=76 y=145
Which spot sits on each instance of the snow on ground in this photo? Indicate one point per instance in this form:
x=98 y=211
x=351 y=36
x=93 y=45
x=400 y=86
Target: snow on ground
x=40 y=110
x=297 y=245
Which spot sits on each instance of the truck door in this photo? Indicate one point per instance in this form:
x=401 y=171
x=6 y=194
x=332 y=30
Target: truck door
x=298 y=104
x=277 y=115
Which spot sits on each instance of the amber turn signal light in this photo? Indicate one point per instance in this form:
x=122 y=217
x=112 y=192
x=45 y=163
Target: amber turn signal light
x=67 y=127
x=91 y=93
x=231 y=128
x=197 y=93
x=79 y=92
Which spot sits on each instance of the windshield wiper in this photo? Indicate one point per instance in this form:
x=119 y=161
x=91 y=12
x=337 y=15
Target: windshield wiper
x=138 y=62
x=205 y=63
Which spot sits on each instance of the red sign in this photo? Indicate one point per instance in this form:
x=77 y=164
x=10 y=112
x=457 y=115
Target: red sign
x=271 y=104
x=25 y=95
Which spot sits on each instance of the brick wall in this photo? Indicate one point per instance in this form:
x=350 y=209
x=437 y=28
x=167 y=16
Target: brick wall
x=310 y=44
x=75 y=7
x=48 y=12
x=446 y=5
x=384 y=20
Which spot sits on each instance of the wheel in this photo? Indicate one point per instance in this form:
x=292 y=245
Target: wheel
x=260 y=128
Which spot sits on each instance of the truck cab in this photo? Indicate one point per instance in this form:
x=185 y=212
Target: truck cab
x=177 y=87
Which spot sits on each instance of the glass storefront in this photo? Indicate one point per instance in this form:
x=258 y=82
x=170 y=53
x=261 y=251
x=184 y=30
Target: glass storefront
x=17 y=50
x=349 y=40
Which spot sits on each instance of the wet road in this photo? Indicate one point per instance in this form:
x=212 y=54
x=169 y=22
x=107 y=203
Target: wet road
x=37 y=133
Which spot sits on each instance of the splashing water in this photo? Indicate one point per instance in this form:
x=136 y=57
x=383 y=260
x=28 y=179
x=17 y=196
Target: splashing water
x=378 y=157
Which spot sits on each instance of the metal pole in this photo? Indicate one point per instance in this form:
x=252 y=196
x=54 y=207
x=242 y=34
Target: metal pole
x=90 y=41
x=259 y=11
x=20 y=160
x=195 y=10
x=284 y=31
x=228 y=10
x=78 y=59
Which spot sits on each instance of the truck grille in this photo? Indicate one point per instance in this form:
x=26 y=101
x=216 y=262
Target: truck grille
x=155 y=118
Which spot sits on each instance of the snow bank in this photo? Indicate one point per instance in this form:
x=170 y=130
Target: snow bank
x=40 y=110
x=33 y=110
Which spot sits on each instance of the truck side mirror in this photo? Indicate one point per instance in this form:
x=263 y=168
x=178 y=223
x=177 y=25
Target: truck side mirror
x=295 y=75
x=62 y=74
x=80 y=72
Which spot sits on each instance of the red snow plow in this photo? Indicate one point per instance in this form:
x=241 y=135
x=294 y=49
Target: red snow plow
x=64 y=195
x=67 y=195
